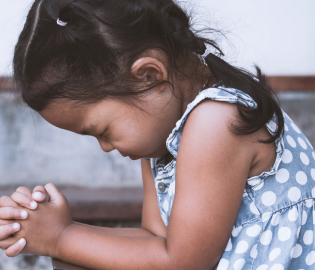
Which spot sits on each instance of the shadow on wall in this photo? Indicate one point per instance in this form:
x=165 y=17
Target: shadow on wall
x=34 y=152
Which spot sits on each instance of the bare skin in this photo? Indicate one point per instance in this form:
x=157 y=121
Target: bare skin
x=201 y=176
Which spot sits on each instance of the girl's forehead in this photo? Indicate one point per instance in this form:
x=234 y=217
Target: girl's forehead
x=64 y=114
x=71 y=116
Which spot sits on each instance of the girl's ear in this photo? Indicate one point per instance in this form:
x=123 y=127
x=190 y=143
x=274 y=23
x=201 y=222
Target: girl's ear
x=149 y=69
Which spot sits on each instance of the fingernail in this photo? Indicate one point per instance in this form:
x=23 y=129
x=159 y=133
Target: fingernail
x=33 y=205
x=23 y=214
x=38 y=195
x=16 y=226
x=22 y=241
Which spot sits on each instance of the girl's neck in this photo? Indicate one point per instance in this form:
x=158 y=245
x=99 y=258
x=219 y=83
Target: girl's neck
x=191 y=87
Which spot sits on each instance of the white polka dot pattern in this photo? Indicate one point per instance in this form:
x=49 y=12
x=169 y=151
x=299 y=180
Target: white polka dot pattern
x=296 y=251
x=253 y=252
x=282 y=175
x=293 y=214
x=304 y=158
x=238 y=265
x=294 y=194
x=229 y=246
x=284 y=233
x=274 y=254
x=223 y=264
x=274 y=226
x=295 y=128
x=253 y=231
x=266 y=237
x=301 y=177
x=241 y=247
x=308 y=237
x=277 y=266
x=254 y=209
x=275 y=219
x=302 y=143
x=310 y=258
x=268 y=198
x=262 y=267
x=287 y=156
x=291 y=141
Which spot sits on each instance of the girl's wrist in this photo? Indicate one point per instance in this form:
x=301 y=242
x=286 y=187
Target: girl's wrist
x=65 y=232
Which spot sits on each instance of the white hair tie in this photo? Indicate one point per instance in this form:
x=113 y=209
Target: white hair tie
x=61 y=23
x=207 y=52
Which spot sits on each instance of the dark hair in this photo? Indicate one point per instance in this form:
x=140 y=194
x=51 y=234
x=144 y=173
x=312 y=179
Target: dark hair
x=90 y=58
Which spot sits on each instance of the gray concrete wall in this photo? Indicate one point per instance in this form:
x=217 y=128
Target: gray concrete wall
x=301 y=108
x=34 y=152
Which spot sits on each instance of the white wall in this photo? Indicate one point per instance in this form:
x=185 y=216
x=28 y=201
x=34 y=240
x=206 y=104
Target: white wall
x=278 y=35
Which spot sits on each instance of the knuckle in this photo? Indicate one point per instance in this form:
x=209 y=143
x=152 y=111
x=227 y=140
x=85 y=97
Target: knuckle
x=14 y=195
x=13 y=212
x=4 y=200
x=4 y=222
x=21 y=189
x=49 y=185
x=5 y=231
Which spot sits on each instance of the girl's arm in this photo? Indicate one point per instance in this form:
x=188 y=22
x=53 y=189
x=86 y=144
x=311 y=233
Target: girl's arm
x=212 y=168
x=152 y=224
x=151 y=221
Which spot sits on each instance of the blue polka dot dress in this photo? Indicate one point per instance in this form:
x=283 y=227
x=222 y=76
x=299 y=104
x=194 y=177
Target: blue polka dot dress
x=274 y=227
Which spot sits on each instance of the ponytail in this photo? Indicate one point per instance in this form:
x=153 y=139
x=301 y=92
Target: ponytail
x=230 y=76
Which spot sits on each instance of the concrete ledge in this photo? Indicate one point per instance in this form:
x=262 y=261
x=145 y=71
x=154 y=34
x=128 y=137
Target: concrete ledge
x=292 y=83
x=279 y=83
x=100 y=204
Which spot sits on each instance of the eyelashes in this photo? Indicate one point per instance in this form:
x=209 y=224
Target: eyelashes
x=101 y=135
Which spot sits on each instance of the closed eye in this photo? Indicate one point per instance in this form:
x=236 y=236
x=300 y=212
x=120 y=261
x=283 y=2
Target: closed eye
x=103 y=133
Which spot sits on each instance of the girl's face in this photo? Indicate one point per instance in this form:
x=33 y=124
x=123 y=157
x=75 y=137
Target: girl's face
x=117 y=125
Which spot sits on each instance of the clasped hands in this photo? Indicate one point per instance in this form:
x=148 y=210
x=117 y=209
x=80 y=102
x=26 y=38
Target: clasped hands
x=33 y=222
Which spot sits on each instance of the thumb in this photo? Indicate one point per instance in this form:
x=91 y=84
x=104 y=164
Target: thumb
x=54 y=193
x=40 y=194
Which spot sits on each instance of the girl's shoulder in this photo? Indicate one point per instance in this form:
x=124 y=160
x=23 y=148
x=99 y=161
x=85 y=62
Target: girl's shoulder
x=210 y=111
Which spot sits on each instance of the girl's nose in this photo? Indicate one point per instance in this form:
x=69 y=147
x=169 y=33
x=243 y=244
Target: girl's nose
x=106 y=146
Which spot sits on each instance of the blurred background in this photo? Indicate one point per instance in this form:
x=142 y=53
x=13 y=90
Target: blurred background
x=106 y=188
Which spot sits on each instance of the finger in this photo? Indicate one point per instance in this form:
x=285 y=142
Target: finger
x=25 y=191
x=12 y=213
x=24 y=200
x=6 y=201
x=15 y=249
x=6 y=222
x=40 y=194
x=7 y=230
x=55 y=194
x=6 y=243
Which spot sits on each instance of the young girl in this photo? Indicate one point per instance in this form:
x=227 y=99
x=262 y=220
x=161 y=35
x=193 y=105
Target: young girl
x=132 y=74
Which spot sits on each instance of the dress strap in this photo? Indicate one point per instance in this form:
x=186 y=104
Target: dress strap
x=219 y=93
